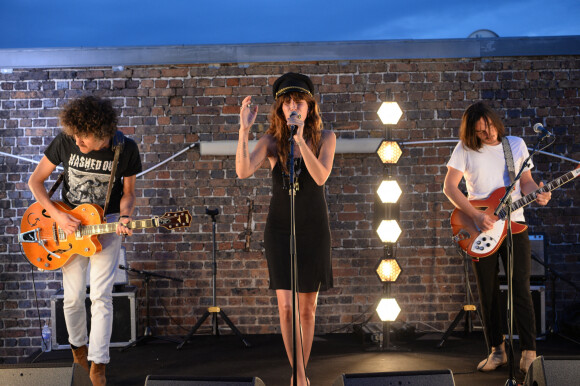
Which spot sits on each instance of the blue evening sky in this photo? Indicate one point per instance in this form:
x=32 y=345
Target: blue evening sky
x=102 y=23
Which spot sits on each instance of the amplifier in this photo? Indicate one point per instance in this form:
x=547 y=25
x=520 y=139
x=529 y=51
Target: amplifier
x=538 y=271
x=124 y=321
x=539 y=300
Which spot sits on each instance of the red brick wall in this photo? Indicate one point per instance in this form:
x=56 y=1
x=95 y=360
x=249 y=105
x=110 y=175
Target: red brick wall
x=167 y=108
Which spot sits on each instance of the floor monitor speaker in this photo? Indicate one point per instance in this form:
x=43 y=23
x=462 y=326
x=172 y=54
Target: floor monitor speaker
x=168 y=380
x=45 y=374
x=407 y=378
x=553 y=371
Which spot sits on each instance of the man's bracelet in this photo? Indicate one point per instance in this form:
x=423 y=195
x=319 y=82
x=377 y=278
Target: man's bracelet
x=123 y=216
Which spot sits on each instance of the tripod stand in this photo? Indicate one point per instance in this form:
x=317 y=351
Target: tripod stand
x=214 y=310
x=466 y=309
x=147 y=334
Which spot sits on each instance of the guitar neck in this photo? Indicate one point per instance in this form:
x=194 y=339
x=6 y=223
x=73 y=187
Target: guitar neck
x=99 y=229
x=528 y=199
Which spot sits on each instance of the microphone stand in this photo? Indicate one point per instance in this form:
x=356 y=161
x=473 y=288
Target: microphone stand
x=553 y=274
x=147 y=334
x=293 y=262
x=505 y=206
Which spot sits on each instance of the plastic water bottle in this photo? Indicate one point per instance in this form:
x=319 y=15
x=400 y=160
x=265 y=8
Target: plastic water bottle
x=46 y=338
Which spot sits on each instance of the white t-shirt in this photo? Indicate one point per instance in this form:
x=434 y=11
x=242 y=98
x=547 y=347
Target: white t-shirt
x=485 y=170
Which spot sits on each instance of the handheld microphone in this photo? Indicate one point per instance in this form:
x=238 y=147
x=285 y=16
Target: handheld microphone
x=293 y=128
x=540 y=129
x=212 y=212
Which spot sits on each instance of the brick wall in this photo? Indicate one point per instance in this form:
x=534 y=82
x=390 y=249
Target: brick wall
x=167 y=108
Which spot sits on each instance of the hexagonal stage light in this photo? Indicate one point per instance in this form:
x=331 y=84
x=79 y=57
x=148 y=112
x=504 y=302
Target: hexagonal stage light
x=389 y=152
x=388 y=309
x=388 y=270
x=389 y=231
x=389 y=191
x=390 y=113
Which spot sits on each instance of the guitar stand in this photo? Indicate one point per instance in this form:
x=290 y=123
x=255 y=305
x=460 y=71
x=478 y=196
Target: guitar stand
x=466 y=309
x=147 y=334
x=214 y=311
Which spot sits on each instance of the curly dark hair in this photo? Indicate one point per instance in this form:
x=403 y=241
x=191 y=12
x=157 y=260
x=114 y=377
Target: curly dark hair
x=89 y=115
x=279 y=129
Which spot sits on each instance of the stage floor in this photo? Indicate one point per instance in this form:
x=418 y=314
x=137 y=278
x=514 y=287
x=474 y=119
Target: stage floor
x=332 y=355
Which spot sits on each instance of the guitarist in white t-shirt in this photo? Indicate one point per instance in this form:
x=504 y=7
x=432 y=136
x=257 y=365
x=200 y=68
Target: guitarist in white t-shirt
x=479 y=159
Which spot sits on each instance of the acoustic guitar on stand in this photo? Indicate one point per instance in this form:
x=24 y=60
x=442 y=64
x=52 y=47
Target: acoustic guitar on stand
x=48 y=247
x=479 y=244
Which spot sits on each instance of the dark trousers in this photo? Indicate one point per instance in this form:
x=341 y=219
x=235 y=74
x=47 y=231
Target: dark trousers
x=486 y=271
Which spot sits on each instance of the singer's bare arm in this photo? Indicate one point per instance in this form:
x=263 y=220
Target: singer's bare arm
x=247 y=163
x=319 y=168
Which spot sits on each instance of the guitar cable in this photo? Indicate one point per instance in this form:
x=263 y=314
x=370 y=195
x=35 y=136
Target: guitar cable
x=470 y=299
x=36 y=302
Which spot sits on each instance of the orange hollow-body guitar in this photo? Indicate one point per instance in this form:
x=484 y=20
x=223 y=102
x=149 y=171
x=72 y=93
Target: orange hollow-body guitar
x=482 y=244
x=47 y=246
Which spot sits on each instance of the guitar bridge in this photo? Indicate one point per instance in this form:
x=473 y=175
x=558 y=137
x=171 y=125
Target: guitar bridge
x=30 y=237
x=461 y=235
x=33 y=236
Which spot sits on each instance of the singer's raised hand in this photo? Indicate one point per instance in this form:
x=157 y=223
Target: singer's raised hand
x=248 y=113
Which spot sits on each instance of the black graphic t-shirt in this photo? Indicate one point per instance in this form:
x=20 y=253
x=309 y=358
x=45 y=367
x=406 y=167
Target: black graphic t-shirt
x=86 y=176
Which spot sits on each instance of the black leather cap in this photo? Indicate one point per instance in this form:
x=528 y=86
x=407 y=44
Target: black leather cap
x=291 y=82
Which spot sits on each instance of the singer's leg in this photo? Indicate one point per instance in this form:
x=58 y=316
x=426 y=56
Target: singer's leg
x=308 y=305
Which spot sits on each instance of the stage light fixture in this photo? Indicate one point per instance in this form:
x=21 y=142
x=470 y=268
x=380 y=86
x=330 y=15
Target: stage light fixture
x=390 y=113
x=389 y=231
x=388 y=309
x=389 y=191
x=388 y=270
x=389 y=152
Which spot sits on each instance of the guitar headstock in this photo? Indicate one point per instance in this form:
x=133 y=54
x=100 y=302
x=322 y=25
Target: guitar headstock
x=172 y=220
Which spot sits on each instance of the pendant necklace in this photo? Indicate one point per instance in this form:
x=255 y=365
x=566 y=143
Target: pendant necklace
x=297 y=171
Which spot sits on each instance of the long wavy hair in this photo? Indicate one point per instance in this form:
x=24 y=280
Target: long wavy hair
x=471 y=116
x=89 y=115
x=280 y=130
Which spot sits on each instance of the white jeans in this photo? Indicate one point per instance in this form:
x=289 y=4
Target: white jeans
x=102 y=278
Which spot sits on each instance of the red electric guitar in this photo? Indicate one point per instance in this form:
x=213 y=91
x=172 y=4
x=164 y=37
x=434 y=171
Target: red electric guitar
x=47 y=247
x=481 y=244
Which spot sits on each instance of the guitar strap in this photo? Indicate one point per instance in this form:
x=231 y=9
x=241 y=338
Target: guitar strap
x=509 y=158
x=56 y=184
x=118 y=143
x=117 y=147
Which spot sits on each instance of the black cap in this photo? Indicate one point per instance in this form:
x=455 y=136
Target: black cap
x=292 y=81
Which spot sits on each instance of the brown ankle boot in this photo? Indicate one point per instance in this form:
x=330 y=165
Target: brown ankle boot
x=98 y=374
x=80 y=357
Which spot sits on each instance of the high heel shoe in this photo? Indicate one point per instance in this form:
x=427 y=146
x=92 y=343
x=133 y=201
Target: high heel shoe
x=497 y=358
x=526 y=360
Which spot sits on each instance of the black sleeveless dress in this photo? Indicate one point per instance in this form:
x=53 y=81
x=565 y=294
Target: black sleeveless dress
x=312 y=233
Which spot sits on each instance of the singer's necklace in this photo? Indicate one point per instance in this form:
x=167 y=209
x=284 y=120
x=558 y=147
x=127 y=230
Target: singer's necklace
x=297 y=171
